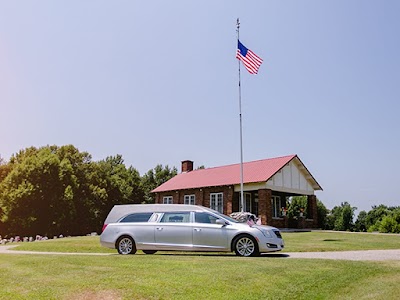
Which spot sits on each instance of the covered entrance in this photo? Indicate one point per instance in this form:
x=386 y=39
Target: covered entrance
x=272 y=207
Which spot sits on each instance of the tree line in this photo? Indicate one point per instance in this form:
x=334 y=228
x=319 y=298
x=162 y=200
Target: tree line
x=380 y=218
x=55 y=190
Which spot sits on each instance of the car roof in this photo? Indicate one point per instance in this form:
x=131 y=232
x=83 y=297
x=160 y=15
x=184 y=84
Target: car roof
x=119 y=211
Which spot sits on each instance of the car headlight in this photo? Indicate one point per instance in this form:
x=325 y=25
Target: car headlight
x=265 y=232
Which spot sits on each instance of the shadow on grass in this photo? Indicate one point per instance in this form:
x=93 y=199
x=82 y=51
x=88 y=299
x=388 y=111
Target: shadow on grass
x=278 y=255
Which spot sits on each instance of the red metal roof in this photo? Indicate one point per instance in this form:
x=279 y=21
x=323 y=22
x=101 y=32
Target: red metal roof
x=254 y=171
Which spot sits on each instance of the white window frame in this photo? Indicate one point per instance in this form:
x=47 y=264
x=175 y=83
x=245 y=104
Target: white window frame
x=217 y=202
x=276 y=206
x=189 y=199
x=167 y=200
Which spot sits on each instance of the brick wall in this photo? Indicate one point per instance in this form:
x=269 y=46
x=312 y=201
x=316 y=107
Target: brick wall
x=279 y=222
x=202 y=196
x=312 y=209
x=265 y=206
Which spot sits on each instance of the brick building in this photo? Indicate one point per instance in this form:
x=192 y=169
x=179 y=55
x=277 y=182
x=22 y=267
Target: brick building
x=267 y=185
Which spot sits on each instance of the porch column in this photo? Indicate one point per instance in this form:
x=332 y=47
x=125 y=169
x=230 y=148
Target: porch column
x=312 y=209
x=229 y=201
x=264 y=205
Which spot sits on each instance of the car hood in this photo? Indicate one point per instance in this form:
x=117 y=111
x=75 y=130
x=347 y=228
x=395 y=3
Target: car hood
x=265 y=227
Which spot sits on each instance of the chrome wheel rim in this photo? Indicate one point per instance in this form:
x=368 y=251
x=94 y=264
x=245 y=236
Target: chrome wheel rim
x=245 y=246
x=125 y=246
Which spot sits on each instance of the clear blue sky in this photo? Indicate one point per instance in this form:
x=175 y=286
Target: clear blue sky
x=157 y=82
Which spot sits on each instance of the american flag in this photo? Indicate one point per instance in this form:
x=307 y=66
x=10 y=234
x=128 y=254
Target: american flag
x=251 y=61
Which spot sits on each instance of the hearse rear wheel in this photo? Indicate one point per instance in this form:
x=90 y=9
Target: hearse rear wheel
x=126 y=245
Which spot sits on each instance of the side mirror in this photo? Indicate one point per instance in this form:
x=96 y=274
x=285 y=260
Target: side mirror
x=221 y=222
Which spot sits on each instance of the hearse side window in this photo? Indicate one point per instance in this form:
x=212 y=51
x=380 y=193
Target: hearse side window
x=202 y=217
x=176 y=217
x=137 y=217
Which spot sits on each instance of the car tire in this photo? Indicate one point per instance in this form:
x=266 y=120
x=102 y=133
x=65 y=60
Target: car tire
x=245 y=245
x=149 y=251
x=126 y=245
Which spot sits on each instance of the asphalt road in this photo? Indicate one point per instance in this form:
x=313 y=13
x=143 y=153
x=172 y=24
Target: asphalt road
x=370 y=255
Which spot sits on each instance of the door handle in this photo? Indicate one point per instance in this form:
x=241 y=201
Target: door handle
x=159 y=228
x=197 y=229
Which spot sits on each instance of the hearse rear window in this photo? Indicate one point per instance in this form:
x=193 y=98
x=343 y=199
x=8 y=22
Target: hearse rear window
x=137 y=217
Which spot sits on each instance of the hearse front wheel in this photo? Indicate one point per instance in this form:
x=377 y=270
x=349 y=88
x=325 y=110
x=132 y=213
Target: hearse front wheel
x=245 y=246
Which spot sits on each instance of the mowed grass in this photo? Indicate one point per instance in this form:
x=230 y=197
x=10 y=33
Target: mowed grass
x=321 y=241
x=193 y=276
x=178 y=275
x=294 y=242
x=80 y=244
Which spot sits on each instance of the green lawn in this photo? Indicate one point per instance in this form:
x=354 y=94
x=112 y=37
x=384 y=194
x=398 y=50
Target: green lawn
x=321 y=241
x=81 y=244
x=169 y=275
x=193 y=277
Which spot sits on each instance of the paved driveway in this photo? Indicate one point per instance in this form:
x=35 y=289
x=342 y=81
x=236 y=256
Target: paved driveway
x=345 y=255
x=348 y=255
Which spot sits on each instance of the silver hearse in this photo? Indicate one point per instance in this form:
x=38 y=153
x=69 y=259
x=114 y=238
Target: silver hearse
x=153 y=227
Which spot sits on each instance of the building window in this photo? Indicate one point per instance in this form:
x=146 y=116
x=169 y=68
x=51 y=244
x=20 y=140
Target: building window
x=189 y=199
x=167 y=200
x=276 y=206
x=217 y=202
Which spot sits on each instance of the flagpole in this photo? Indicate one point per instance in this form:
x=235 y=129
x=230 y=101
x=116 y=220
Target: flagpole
x=240 y=118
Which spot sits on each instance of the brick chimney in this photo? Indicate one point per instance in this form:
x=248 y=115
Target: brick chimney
x=187 y=166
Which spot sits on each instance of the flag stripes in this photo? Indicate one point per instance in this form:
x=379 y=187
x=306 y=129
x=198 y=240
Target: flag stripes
x=251 y=61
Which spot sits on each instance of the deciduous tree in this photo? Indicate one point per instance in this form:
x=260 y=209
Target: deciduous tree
x=341 y=217
x=59 y=190
x=154 y=178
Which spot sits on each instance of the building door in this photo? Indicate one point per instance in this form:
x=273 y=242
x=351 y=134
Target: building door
x=247 y=202
x=255 y=205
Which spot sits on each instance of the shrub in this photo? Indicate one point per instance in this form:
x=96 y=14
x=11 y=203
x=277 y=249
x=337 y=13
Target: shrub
x=391 y=222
